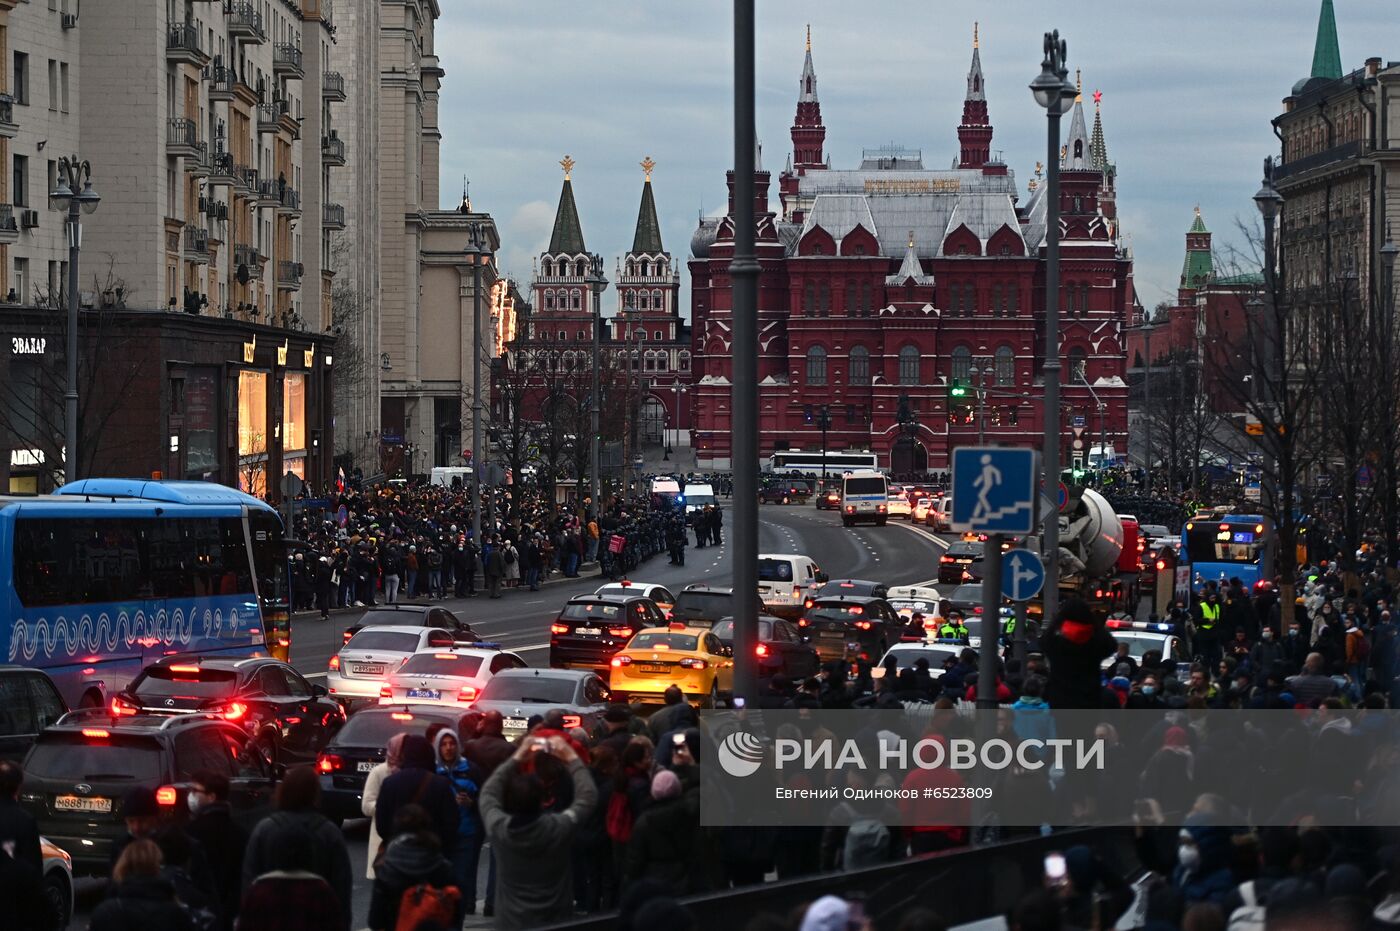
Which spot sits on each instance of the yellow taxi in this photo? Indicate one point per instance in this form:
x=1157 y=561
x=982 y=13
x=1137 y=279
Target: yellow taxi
x=691 y=658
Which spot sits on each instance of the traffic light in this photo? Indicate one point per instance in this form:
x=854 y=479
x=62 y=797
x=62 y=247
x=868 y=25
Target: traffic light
x=956 y=388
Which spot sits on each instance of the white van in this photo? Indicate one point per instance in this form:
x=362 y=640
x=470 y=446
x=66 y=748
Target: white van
x=697 y=496
x=941 y=517
x=443 y=475
x=785 y=581
x=865 y=496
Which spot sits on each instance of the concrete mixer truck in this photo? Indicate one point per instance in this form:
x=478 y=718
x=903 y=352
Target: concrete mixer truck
x=1099 y=553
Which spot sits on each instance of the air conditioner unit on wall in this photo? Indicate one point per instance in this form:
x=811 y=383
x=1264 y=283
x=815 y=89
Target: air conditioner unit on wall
x=70 y=20
x=29 y=219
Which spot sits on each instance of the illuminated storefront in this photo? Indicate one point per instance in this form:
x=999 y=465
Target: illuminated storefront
x=294 y=424
x=252 y=432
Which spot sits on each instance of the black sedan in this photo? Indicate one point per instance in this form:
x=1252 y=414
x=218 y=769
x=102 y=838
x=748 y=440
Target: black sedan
x=854 y=627
x=289 y=719
x=958 y=559
x=780 y=648
x=414 y=616
x=591 y=628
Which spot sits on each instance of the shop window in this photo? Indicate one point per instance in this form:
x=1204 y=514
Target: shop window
x=294 y=412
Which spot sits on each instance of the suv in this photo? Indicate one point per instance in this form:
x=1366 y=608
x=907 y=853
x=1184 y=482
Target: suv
x=854 y=627
x=29 y=702
x=957 y=561
x=703 y=605
x=591 y=628
x=413 y=616
x=288 y=717
x=80 y=769
x=789 y=491
x=829 y=497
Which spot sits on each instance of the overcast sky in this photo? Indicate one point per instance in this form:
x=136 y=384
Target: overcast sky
x=1189 y=88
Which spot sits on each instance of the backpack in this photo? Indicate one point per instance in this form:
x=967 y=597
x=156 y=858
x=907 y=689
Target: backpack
x=1363 y=647
x=509 y=555
x=422 y=904
x=867 y=844
x=1250 y=915
x=619 y=819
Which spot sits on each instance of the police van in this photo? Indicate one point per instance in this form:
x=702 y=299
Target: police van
x=865 y=497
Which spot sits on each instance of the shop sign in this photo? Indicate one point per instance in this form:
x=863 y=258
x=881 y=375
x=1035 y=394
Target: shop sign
x=28 y=345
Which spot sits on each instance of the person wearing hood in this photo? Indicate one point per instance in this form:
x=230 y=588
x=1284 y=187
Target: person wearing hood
x=465 y=852
x=412 y=858
x=1170 y=774
x=297 y=823
x=1095 y=896
x=393 y=759
x=417 y=782
x=1075 y=645
x=289 y=895
x=532 y=842
x=223 y=840
x=490 y=748
x=1202 y=871
x=139 y=899
x=1031 y=717
x=830 y=913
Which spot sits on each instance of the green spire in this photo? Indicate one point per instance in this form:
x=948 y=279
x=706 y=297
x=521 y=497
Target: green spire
x=648 y=235
x=1200 y=225
x=568 y=235
x=1197 y=270
x=1327 y=56
x=1098 y=149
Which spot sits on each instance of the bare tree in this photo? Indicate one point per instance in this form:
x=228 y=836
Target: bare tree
x=353 y=367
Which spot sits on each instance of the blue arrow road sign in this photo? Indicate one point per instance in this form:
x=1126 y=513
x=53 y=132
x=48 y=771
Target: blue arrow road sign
x=1022 y=575
x=994 y=489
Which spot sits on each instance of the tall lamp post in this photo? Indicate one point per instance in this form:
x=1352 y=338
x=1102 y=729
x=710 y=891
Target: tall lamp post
x=73 y=173
x=981 y=368
x=476 y=251
x=1147 y=327
x=597 y=281
x=824 y=422
x=1389 y=253
x=1054 y=92
x=677 y=392
x=1268 y=200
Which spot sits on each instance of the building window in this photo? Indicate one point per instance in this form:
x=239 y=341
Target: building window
x=971 y=293
x=824 y=300
x=643 y=301
x=656 y=334
x=1015 y=300
x=19 y=193
x=809 y=298
x=860 y=365
x=547 y=268
x=576 y=299
x=549 y=300
x=1084 y=299
x=851 y=415
x=684 y=365
x=582 y=335
x=563 y=336
x=21 y=281
x=1006 y=366
x=663 y=361
x=962 y=364
x=53 y=84
x=816 y=366
x=909 y=365
x=852 y=298
x=996 y=300
x=19 y=87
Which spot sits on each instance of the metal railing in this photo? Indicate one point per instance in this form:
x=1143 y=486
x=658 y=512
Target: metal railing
x=1337 y=153
x=290 y=272
x=183 y=131
x=332 y=149
x=7 y=219
x=221 y=80
x=332 y=215
x=246 y=177
x=7 y=108
x=287 y=57
x=332 y=84
x=243 y=16
x=183 y=37
x=268 y=115
x=196 y=240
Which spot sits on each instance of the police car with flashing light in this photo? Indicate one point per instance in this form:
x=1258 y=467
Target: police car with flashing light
x=1142 y=636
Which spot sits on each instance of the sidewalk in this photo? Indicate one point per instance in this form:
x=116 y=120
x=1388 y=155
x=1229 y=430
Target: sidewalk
x=586 y=571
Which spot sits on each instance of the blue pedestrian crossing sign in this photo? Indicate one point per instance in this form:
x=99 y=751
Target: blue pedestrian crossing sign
x=1022 y=575
x=994 y=489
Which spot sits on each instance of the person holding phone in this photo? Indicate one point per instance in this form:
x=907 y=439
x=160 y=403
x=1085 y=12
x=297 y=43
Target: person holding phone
x=532 y=844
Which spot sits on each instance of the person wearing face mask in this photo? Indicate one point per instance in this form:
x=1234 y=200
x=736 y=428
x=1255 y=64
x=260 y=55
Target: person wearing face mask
x=223 y=841
x=1146 y=695
x=1264 y=654
x=1202 y=871
x=1294 y=646
x=1327 y=636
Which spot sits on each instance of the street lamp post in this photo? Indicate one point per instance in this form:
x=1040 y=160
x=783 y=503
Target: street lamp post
x=1147 y=328
x=1054 y=92
x=477 y=252
x=66 y=198
x=1389 y=253
x=824 y=421
x=981 y=368
x=1268 y=200
x=596 y=282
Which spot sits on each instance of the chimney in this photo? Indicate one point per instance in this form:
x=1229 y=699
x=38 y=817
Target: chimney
x=1373 y=67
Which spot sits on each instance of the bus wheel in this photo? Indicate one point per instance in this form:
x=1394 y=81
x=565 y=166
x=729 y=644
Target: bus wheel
x=92 y=698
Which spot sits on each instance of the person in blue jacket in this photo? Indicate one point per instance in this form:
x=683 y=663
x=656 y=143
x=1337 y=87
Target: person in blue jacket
x=465 y=852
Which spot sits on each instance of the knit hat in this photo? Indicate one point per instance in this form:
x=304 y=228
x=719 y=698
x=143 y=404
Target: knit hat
x=828 y=913
x=665 y=784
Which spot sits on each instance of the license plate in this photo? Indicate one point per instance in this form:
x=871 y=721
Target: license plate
x=833 y=634
x=76 y=803
x=588 y=631
x=654 y=667
x=365 y=766
x=367 y=669
x=516 y=723
x=424 y=693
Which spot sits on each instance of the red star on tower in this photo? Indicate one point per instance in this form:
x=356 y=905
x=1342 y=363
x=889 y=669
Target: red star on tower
x=1098 y=96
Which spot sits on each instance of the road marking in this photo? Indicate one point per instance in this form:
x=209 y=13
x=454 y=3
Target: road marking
x=936 y=541
x=537 y=646
x=540 y=602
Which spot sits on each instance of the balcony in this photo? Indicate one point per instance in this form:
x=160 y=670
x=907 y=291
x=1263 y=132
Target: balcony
x=268 y=194
x=246 y=178
x=221 y=169
x=332 y=86
x=245 y=22
x=332 y=217
x=9 y=226
x=247 y=258
x=183 y=136
x=289 y=275
x=286 y=61
x=289 y=203
x=268 y=116
x=197 y=164
x=222 y=81
x=1327 y=157
x=8 y=127
x=182 y=45
x=196 y=244
x=332 y=150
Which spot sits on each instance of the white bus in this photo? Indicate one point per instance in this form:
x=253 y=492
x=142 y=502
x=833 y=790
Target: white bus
x=805 y=461
x=865 y=497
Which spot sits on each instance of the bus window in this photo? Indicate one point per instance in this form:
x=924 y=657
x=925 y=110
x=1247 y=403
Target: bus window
x=270 y=564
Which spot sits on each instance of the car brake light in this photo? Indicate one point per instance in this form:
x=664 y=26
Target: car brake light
x=401 y=716
x=96 y=733
x=802 y=622
x=1098 y=593
x=572 y=720
x=346 y=637
x=808 y=603
x=621 y=631
x=691 y=662
x=676 y=625
x=467 y=693
x=335 y=661
x=864 y=625
x=121 y=706
x=1113 y=623
x=855 y=609
x=234 y=711
x=850 y=509
x=386 y=692
x=166 y=795
x=879 y=509
x=622 y=661
x=796 y=592
x=558 y=628
x=183 y=667
x=946 y=559
x=977 y=609
x=761 y=649
x=329 y=762
x=1161 y=564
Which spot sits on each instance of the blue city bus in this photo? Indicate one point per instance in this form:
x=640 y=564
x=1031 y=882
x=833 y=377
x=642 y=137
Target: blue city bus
x=108 y=575
x=1218 y=547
